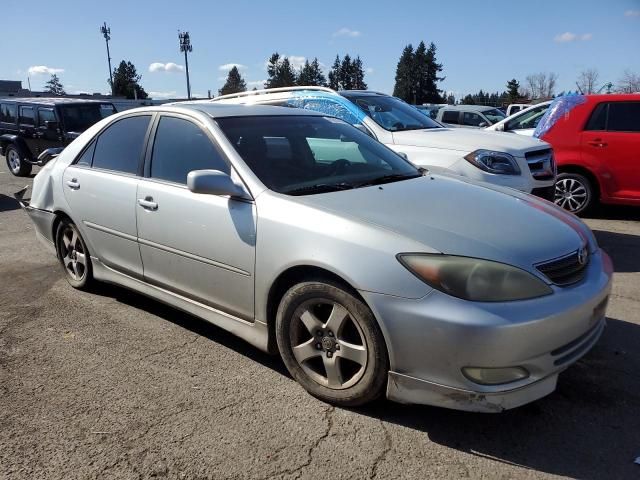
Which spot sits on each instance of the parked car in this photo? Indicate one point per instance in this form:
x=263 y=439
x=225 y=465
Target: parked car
x=430 y=109
x=516 y=107
x=305 y=236
x=523 y=163
x=469 y=116
x=523 y=122
x=29 y=126
x=597 y=147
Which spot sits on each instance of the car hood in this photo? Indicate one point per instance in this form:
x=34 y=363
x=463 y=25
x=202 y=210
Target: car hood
x=468 y=140
x=458 y=217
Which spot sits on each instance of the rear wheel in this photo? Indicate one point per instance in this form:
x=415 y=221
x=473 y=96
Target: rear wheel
x=16 y=162
x=331 y=344
x=574 y=192
x=73 y=255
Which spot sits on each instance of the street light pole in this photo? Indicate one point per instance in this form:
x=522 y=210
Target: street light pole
x=185 y=46
x=106 y=32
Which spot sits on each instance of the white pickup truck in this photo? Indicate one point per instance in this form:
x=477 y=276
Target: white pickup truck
x=515 y=161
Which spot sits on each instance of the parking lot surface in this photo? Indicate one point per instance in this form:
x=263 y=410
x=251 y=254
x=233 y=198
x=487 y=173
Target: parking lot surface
x=111 y=384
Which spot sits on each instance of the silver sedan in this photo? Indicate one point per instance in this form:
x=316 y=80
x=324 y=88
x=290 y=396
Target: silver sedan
x=307 y=238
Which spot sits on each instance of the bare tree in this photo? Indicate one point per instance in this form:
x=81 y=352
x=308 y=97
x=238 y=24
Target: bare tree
x=542 y=85
x=629 y=83
x=587 y=81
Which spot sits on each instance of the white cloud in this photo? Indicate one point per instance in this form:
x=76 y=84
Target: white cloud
x=346 y=32
x=632 y=13
x=165 y=67
x=42 y=69
x=570 y=37
x=228 y=66
x=171 y=94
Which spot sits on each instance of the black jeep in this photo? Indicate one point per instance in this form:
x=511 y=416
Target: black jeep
x=30 y=127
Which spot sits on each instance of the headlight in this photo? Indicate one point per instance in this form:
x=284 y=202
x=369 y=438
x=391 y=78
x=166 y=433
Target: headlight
x=474 y=279
x=494 y=162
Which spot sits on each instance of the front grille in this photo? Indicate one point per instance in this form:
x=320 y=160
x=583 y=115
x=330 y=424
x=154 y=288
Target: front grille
x=566 y=270
x=541 y=164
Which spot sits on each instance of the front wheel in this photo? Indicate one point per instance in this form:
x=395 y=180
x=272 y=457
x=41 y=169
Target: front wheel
x=574 y=192
x=16 y=162
x=331 y=344
x=73 y=255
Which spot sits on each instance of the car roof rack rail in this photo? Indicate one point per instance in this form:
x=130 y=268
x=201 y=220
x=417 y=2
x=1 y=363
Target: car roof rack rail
x=271 y=90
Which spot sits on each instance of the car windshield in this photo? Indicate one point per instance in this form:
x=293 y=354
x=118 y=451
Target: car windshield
x=494 y=115
x=527 y=119
x=77 y=118
x=303 y=155
x=392 y=113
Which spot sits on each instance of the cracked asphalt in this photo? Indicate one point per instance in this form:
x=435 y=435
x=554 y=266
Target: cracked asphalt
x=111 y=384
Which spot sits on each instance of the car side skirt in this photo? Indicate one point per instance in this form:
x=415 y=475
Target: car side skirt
x=256 y=333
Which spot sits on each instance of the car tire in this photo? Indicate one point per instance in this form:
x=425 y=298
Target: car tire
x=16 y=162
x=331 y=343
x=73 y=255
x=574 y=192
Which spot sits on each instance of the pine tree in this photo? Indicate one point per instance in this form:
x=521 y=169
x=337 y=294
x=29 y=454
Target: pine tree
x=421 y=75
x=311 y=75
x=234 y=84
x=54 y=86
x=272 y=70
x=280 y=72
x=405 y=78
x=126 y=81
x=432 y=93
x=358 y=75
x=334 y=74
x=346 y=73
x=513 y=90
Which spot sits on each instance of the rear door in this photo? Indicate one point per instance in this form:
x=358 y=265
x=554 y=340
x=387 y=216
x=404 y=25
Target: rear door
x=101 y=186
x=27 y=128
x=48 y=130
x=611 y=140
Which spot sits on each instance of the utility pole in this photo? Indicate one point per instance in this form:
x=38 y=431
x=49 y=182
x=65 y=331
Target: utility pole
x=185 y=46
x=106 y=32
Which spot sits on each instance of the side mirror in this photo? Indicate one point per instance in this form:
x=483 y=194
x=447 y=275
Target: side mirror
x=213 y=182
x=500 y=128
x=51 y=124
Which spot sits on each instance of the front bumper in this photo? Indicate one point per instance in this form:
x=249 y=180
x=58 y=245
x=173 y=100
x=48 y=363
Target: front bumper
x=431 y=339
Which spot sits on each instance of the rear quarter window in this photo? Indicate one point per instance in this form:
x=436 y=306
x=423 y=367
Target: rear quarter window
x=451 y=116
x=7 y=113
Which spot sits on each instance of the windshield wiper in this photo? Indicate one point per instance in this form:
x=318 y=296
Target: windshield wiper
x=320 y=188
x=393 y=177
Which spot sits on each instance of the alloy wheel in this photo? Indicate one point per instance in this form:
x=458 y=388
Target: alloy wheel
x=13 y=159
x=571 y=194
x=328 y=344
x=72 y=253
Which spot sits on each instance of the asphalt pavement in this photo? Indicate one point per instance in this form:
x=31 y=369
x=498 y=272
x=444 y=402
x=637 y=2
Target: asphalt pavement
x=111 y=384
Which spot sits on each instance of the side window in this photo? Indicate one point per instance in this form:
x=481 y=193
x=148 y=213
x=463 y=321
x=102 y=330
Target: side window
x=181 y=146
x=471 y=119
x=528 y=119
x=8 y=113
x=598 y=119
x=624 y=117
x=451 y=116
x=45 y=115
x=27 y=116
x=120 y=146
x=87 y=156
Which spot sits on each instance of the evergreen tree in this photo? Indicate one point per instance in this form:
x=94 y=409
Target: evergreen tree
x=272 y=69
x=280 y=72
x=405 y=78
x=346 y=73
x=468 y=100
x=431 y=91
x=334 y=74
x=311 y=75
x=513 y=90
x=358 y=75
x=126 y=81
x=54 y=86
x=234 y=84
x=420 y=75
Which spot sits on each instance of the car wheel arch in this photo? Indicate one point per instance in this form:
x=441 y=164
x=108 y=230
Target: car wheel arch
x=595 y=183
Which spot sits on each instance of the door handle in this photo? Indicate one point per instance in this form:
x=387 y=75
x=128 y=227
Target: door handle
x=597 y=142
x=73 y=184
x=147 y=203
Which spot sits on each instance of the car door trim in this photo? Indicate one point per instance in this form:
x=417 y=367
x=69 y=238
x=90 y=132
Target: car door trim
x=110 y=231
x=192 y=256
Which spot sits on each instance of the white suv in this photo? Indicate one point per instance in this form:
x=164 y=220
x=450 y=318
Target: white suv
x=515 y=161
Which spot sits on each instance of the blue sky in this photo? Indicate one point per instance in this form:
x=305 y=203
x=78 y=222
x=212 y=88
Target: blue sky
x=482 y=44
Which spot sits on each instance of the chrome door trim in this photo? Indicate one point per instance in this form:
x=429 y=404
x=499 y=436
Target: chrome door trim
x=110 y=231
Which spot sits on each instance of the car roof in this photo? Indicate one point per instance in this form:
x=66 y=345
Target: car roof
x=51 y=101
x=220 y=110
x=371 y=93
x=613 y=97
x=474 y=108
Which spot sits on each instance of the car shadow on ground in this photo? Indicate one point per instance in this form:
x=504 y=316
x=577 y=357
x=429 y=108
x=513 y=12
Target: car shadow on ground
x=588 y=428
x=614 y=212
x=623 y=248
x=8 y=203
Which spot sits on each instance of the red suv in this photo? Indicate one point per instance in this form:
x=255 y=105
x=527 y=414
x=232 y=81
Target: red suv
x=597 y=150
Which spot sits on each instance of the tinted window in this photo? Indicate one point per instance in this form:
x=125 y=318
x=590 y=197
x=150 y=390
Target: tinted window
x=8 y=113
x=391 y=113
x=494 y=115
x=180 y=147
x=624 y=117
x=26 y=116
x=450 y=116
x=598 y=120
x=79 y=117
x=472 y=119
x=87 y=157
x=120 y=146
x=45 y=115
